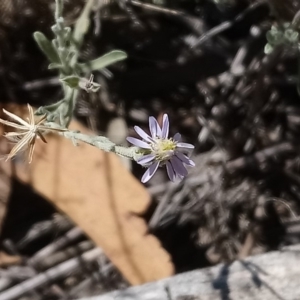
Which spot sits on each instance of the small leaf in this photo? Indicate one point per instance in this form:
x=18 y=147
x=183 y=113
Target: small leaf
x=268 y=49
x=46 y=46
x=83 y=23
x=291 y=35
x=71 y=81
x=103 y=61
x=272 y=36
x=55 y=66
x=296 y=21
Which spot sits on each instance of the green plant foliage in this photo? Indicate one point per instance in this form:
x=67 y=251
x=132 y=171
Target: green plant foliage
x=103 y=61
x=46 y=46
x=63 y=52
x=284 y=34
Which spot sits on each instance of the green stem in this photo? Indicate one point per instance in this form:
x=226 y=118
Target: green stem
x=298 y=80
x=71 y=103
x=59 y=8
x=102 y=143
x=60 y=36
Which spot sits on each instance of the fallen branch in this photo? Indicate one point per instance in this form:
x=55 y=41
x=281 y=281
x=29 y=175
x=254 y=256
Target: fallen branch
x=270 y=276
x=51 y=275
x=59 y=244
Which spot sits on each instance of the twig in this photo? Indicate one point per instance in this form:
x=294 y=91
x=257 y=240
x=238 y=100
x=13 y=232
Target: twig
x=247 y=246
x=5 y=283
x=13 y=274
x=60 y=243
x=18 y=273
x=38 y=230
x=162 y=204
x=61 y=256
x=156 y=8
x=40 y=84
x=50 y=275
x=260 y=156
x=225 y=25
x=213 y=32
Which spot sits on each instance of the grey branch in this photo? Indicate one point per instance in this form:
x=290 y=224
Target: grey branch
x=71 y=236
x=270 y=276
x=52 y=274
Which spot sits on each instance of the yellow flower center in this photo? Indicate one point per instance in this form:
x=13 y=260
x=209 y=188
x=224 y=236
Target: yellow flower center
x=163 y=148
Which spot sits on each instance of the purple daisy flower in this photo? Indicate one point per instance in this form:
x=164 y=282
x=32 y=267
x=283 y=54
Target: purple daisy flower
x=159 y=150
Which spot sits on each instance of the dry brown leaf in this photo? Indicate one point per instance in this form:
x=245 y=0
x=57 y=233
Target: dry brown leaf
x=96 y=191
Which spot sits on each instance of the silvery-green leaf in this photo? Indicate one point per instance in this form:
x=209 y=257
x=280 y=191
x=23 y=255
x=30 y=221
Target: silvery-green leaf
x=71 y=81
x=67 y=33
x=40 y=111
x=296 y=21
x=274 y=28
x=271 y=36
x=268 y=49
x=291 y=35
x=103 y=61
x=55 y=66
x=83 y=23
x=46 y=46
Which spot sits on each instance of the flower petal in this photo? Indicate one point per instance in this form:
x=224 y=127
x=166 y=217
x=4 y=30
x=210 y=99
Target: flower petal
x=185 y=145
x=145 y=159
x=185 y=159
x=165 y=126
x=150 y=172
x=178 y=166
x=171 y=172
x=138 y=143
x=142 y=134
x=177 y=137
x=154 y=127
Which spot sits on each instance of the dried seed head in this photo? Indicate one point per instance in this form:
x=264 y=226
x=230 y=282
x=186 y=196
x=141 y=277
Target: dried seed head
x=27 y=132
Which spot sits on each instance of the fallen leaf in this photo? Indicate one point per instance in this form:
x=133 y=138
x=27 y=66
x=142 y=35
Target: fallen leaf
x=97 y=192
